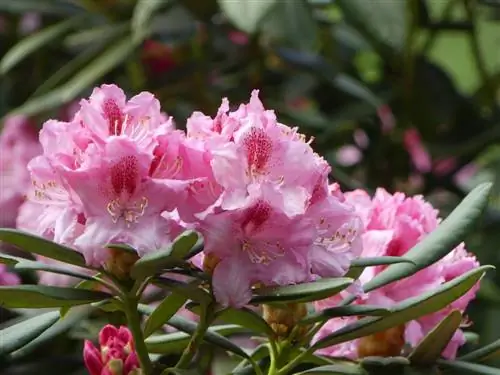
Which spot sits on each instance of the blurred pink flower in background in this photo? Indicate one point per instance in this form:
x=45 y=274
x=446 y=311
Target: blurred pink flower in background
x=238 y=37
x=348 y=155
x=8 y=278
x=394 y=224
x=116 y=354
x=423 y=162
x=18 y=144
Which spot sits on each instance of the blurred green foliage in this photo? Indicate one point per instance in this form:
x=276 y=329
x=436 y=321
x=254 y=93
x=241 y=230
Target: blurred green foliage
x=344 y=71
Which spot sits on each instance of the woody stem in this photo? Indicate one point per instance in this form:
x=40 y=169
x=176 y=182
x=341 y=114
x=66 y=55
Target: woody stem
x=134 y=323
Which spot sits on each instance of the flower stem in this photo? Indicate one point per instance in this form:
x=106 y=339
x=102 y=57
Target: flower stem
x=189 y=352
x=134 y=323
x=294 y=362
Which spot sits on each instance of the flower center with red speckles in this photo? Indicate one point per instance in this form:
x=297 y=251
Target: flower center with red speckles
x=124 y=177
x=114 y=116
x=260 y=252
x=259 y=147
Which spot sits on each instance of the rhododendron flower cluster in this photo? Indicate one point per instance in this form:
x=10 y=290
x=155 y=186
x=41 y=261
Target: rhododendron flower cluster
x=118 y=172
x=115 y=355
x=275 y=221
x=394 y=224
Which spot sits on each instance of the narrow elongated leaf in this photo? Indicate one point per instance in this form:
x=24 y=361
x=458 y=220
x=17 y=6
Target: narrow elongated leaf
x=34 y=42
x=105 y=62
x=39 y=296
x=189 y=290
x=177 y=341
x=56 y=7
x=381 y=22
x=379 y=261
x=10 y=259
x=292 y=23
x=171 y=256
x=245 y=318
x=440 y=242
x=165 y=310
x=483 y=353
x=302 y=292
x=260 y=352
x=141 y=19
x=16 y=336
x=468 y=368
x=339 y=369
x=433 y=344
x=339 y=311
x=61 y=270
x=407 y=310
x=187 y=326
x=246 y=15
x=41 y=246
x=61 y=326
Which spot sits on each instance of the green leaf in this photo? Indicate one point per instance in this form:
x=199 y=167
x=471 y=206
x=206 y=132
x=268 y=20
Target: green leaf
x=52 y=268
x=407 y=310
x=486 y=352
x=165 y=310
x=292 y=23
x=141 y=19
x=379 y=261
x=177 y=341
x=56 y=7
x=18 y=335
x=176 y=371
x=375 y=364
x=340 y=369
x=34 y=42
x=440 y=242
x=433 y=344
x=61 y=326
x=339 y=311
x=189 y=290
x=39 y=296
x=467 y=368
x=211 y=336
x=246 y=15
x=173 y=255
x=259 y=353
x=383 y=23
x=245 y=318
x=104 y=63
x=41 y=246
x=305 y=292
x=10 y=259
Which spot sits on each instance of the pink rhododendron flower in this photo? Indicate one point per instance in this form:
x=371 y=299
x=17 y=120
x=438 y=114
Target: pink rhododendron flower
x=348 y=155
x=394 y=224
x=275 y=222
x=19 y=144
x=8 y=278
x=100 y=180
x=116 y=354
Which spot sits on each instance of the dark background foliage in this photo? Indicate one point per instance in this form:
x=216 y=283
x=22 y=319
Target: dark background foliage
x=348 y=72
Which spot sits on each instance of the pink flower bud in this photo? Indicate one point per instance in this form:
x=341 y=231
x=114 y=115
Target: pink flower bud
x=116 y=355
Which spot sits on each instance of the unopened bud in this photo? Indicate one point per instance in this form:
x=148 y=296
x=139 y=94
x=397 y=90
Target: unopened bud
x=388 y=343
x=120 y=262
x=284 y=318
